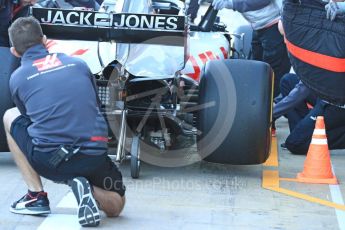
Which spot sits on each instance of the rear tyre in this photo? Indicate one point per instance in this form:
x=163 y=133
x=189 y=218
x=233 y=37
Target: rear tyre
x=235 y=127
x=8 y=64
x=135 y=157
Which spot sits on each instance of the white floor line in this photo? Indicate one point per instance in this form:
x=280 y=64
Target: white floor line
x=337 y=197
x=68 y=201
x=62 y=221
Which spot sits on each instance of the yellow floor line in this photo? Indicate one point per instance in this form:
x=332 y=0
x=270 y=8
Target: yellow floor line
x=289 y=179
x=309 y=198
x=270 y=181
x=272 y=161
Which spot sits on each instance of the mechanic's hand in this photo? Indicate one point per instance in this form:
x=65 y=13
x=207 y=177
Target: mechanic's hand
x=221 y=4
x=334 y=8
x=82 y=8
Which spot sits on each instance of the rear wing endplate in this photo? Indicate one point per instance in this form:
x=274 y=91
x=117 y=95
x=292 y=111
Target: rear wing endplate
x=118 y=27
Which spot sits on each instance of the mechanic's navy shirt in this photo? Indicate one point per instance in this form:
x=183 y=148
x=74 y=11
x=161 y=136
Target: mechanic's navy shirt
x=297 y=95
x=5 y=19
x=57 y=93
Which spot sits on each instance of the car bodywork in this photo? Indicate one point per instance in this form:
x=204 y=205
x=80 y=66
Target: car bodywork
x=148 y=61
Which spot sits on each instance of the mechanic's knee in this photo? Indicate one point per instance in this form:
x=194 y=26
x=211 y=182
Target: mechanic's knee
x=285 y=83
x=286 y=79
x=8 y=118
x=116 y=207
x=296 y=149
x=112 y=213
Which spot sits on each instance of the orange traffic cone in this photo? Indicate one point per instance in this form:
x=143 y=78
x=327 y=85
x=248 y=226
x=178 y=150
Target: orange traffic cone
x=317 y=166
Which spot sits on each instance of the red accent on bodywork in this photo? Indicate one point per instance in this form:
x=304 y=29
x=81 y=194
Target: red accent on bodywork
x=210 y=55
x=197 y=70
x=98 y=138
x=203 y=58
x=79 y=52
x=50 y=44
x=225 y=53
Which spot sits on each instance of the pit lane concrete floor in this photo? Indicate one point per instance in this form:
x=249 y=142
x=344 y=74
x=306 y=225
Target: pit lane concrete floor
x=199 y=196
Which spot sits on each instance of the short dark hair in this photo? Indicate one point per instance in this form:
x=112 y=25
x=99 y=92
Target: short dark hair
x=24 y=33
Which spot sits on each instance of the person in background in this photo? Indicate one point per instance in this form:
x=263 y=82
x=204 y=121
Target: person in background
x=9 y=10
x=193 y=9
x=296 y=104
x=296 y=96
x=88 y=4
x=5 y=20
x=267 y=43
x=334 y=8
x=297 y=100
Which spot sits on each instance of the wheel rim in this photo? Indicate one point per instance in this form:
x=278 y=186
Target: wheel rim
x=135 y=157
x=138 y=157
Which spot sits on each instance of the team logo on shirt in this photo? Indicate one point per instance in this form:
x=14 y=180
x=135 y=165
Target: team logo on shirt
x=49 y=62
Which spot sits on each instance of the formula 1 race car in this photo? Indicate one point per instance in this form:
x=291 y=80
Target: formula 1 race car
x=165 y=85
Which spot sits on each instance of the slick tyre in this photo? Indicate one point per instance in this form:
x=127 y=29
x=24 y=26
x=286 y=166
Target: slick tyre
x=235 y=112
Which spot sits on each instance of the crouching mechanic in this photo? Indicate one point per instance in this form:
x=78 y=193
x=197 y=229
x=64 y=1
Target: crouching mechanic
x=302 y=120
x=57 y=130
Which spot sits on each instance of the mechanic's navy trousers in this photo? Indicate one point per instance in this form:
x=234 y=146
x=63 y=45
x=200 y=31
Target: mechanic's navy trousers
x=193 y=9
x=268 y=46
x=299 y=139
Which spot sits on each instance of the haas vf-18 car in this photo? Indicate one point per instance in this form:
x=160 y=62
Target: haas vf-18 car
x=171 y=91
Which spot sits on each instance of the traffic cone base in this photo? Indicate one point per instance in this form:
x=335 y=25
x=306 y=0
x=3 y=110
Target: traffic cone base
x=317 y=166
x=306 y=179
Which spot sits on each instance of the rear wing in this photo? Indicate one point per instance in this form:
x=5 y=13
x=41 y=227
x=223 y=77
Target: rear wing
x=118 y=27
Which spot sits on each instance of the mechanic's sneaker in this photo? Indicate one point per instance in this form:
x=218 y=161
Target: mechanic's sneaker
x=32 y=205
x=274 y=132
x=88 y=212
x=283 y=146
